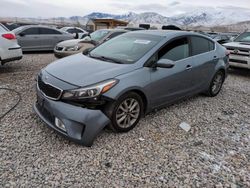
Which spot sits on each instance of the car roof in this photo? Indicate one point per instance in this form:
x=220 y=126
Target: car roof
x=169 y=33
x=162 y=33
x=71 y=28
x=31 y=26
x=112 y=30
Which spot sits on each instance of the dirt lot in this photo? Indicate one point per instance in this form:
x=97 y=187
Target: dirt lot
x=215 y=152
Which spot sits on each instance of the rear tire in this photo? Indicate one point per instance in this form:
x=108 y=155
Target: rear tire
x=216 y=84
x=125 y=112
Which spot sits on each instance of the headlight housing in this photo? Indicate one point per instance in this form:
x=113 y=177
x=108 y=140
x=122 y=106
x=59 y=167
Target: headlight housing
x=91 y=91
x=72 y=48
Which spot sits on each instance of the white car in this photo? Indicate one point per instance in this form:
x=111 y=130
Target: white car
x=75 y=31
x=239 y=51
x=9 y=49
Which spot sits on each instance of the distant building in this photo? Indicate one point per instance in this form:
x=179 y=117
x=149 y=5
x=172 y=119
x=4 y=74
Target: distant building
x=95 y=24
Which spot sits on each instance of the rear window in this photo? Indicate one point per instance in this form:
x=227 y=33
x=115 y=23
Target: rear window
x=3 y=28
x=74 y=31
x=201 y=45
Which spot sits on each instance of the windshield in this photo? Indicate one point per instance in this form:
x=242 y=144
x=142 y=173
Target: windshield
x=99 y=35
x=244 y=37
x=127 y=48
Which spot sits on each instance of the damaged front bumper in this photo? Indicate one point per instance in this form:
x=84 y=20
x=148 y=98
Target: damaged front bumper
x=81 y=125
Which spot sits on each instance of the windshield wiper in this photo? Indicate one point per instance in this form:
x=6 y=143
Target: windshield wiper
x=244 y=41
x=103 y=58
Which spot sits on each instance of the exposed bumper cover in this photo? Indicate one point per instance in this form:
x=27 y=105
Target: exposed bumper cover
x=11 y=59
x=82 y=125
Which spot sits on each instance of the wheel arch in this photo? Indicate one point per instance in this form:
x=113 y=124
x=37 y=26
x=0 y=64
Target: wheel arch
x=141 y=94
x=223 y=71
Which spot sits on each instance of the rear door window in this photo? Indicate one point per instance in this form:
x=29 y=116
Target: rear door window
x=47 y=31
x=31 y=31
x=201 y=45
x=175 y=50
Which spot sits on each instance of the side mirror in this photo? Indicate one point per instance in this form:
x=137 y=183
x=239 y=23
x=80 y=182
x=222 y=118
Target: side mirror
x=87 y=38
x=165 y=63
x=21 y=34
x=86 y=51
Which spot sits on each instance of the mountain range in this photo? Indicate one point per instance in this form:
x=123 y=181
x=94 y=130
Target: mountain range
x=203 y=16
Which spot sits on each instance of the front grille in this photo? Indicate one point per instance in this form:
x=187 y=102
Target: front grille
x=49 y=90
x=239 y=51
x=59 y=48
x=240 y=54
x=238 y=61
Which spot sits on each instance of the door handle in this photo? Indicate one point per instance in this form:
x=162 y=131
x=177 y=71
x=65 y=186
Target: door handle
x=188 y=67
x=215 y=58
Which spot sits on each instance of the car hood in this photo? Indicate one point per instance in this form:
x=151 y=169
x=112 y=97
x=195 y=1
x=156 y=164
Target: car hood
x=81 y=70
x=237 y=45
x=69 y=43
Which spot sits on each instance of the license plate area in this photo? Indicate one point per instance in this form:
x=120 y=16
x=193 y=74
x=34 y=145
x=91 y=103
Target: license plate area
x=40 y=100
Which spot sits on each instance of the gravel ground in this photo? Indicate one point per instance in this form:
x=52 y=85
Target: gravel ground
x=157 y=153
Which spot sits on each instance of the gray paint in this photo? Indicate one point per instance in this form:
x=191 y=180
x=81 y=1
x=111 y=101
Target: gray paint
x=40 y=42
x=161 y=86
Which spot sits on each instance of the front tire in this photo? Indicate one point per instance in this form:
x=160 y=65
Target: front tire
x=126 y=112
x=216 y=84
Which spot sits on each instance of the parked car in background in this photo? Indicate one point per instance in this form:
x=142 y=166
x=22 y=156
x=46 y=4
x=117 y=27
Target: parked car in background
x=119 y=81
x=75 y=30
x=222 y=38
x=134 y=28
x=9 y=49
x=39 y=38
x=71 y=47
x=239 y=51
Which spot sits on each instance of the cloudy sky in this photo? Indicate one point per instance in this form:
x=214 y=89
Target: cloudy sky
x=66 y=8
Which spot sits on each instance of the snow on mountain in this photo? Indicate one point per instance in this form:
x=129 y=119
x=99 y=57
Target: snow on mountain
x=200 y=16
x=213 y=16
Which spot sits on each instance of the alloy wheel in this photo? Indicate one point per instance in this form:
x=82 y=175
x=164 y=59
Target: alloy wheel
x=128 y=113
x=217 y=83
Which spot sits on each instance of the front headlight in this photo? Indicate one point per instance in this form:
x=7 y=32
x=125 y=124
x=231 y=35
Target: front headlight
x=73 y=48
x=91 y=91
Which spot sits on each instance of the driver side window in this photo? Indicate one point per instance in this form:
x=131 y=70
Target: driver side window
x=175 y=50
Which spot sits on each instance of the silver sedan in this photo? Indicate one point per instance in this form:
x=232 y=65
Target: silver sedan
x=39 y=38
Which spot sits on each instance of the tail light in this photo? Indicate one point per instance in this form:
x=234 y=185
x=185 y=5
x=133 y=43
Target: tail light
x=9 y=36
x=227 y=52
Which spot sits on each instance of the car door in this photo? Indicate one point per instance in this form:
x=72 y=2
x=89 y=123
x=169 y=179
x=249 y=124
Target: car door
x=204 y=61
x=29 y=39
x=170 y=84
x=50 y=37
